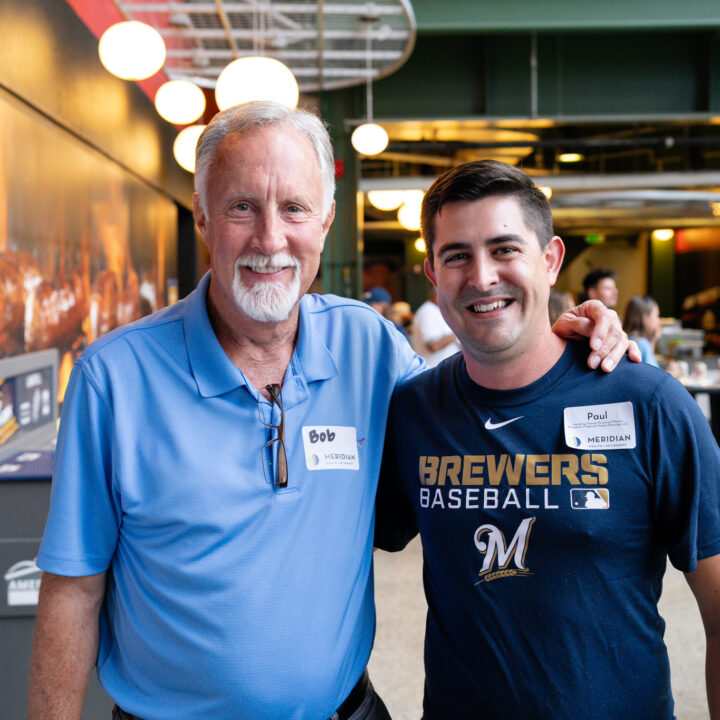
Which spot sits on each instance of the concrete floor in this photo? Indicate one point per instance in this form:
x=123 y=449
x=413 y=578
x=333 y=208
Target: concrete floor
x=396 y=665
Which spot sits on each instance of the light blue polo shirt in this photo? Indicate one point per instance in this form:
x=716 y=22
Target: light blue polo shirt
x=227 y=598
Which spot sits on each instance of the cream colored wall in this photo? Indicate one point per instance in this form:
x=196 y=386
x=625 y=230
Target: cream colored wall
x=628 y=259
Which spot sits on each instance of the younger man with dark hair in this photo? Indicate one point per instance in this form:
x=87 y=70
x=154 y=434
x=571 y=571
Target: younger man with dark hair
x=601 y=284
x=548 y=496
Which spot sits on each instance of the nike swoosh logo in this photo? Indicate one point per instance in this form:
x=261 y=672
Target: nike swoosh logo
x=490 y=425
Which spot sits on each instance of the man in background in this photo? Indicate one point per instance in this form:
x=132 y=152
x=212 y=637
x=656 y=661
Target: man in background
x=432 y=338
x=379 y=299
x=548 y=496
x=601 y=284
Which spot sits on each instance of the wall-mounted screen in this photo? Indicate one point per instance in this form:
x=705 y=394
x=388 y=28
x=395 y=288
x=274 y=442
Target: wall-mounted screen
x=28 y=401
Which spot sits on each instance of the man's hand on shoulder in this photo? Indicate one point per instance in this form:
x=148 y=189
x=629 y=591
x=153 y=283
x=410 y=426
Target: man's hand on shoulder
x=608 y=341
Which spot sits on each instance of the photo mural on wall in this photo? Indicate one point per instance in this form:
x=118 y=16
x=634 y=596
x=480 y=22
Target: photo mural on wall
x=85 y=246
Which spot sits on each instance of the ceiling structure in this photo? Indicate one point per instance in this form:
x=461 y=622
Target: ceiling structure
x=636 y=173
x=673 y=156
x=327 y=45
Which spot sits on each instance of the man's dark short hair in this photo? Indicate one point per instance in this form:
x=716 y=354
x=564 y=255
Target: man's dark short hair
x=481 y=179
x=594 y=277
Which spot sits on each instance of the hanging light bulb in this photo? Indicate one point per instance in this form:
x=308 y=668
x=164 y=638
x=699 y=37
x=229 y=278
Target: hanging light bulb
x=369 y=138
x=386 y=199
x=413 y=197
x=256 y=78
x=409 y=214
x=132 y=50
x=180 y=102
x=409 y=217
x=184 y=146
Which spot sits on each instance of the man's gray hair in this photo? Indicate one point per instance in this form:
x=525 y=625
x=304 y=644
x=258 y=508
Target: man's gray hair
x=250 y=116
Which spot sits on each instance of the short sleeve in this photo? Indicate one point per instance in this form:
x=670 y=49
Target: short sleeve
x=395 y=523
x=82 y=526
x=409 y=363
x=686 y=459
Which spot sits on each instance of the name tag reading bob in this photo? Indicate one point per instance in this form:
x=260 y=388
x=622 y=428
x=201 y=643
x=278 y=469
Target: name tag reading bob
x=330 y=447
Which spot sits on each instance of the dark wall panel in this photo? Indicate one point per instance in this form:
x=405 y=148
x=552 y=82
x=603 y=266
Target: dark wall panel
x=444 y=77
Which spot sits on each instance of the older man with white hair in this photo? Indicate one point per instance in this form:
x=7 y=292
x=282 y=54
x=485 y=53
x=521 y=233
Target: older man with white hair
x=209 y=543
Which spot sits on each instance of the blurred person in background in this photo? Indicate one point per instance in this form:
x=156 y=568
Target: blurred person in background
x=642 y=324
x=432 y=337
x=601 y=284
x=379 y=299
x=402 y=314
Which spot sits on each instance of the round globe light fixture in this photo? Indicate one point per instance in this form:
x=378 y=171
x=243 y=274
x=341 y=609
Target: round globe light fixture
x=256 y=78
x=409 y=217
x=369 y=139
x=132 y=50
x=386 y=199
x=413 y=197
x=184 y=146
x=420 y=245
x=180 y=102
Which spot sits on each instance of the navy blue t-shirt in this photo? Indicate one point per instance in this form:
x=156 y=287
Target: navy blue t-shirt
x=546 y=515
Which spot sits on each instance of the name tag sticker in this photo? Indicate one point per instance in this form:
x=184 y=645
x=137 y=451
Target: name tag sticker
x=330 y=447
x=600 y=427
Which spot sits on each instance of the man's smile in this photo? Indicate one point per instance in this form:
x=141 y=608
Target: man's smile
x=489 y=307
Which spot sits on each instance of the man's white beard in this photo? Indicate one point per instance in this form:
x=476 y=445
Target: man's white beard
x=267 y=301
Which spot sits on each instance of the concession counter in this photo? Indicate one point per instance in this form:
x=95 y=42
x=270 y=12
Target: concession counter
x=28 y=426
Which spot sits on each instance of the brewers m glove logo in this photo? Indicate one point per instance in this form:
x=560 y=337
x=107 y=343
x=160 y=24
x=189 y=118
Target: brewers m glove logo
x=490 y=542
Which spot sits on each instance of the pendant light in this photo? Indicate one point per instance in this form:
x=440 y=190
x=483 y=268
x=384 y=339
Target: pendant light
x=184 y=146
x=132 y=50
x=256 y=77
x=369 y=138
x=180 y=102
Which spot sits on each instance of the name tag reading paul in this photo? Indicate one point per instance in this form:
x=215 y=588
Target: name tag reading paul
x=330 y=447
x=600 y=427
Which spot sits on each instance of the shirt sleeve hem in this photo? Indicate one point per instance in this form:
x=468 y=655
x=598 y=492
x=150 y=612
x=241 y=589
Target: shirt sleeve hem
x=71 y=568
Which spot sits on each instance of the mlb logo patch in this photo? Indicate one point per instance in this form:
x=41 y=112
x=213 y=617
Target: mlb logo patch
x=589 y=499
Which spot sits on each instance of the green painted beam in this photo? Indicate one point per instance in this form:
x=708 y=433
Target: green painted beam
x=342 y=260
x=661 y=275
x=483 y=16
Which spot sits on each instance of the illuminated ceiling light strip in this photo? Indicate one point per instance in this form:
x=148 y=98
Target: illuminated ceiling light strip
x=663 y=234
x=570 y=157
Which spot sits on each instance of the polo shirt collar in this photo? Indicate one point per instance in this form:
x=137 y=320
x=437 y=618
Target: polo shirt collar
x=213 y=371
x=211 y=367
x=312 y=357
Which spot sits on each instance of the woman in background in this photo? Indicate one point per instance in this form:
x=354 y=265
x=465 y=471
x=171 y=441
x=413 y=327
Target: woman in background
x=642 y=324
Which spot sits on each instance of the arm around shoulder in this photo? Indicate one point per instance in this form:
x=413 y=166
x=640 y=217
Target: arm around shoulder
x=65 y=645
x=704 y=581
